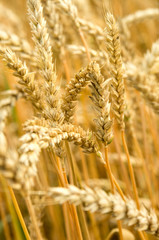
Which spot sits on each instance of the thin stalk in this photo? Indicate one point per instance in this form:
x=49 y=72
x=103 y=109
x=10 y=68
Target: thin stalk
x=74 y=212
x=142 y=235
x=84 y=166
x=51 y=210
x=152 y=129
x=146 y=173
x=71 y=162
x=120 y=229
x=65 y=64
x=146 y=144
x=14 y=218
x=4 y=220
x=130 y=170
x=58 y=170
x=19 y=214
x=81 y=214
x=33 y=217
x=108 y=169
x=132 y=177
x=147 y=154
x=123 y=167
x=84 y=44
x=123 y=197
x=67 y=208
x=67 y=221
x=72 y=207
x=91 y=216
x=121 y=193
x=113 y=188
x=118 y=188
x=92 y=166
x=77 y=223
x=146 y=151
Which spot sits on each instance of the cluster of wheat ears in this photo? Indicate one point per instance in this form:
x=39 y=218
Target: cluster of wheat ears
x=85 y=164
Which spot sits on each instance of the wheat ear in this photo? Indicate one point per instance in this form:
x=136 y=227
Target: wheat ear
x=26 y=79
x=146 y=84
x=51 y=136
x=44 y=58
x=69 y=8
x=97 y=200
x=41 y=39
x=114 y=52
x=100 y=98
x=72 y=91
x=141 y=15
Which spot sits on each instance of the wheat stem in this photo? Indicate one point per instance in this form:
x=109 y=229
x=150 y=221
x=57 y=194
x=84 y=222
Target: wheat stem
x=147 y=176
x=84 y=44
x=107 y=167
x=67 y=208
x=86 y=178
x=130 y=170
x=19 y=214
x=66 y=67
x=4 y=220
x=123 y=167
x=72 y=164
x=33 y=217
x=72 y=208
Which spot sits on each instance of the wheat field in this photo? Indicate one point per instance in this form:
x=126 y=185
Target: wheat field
x=79 y=124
